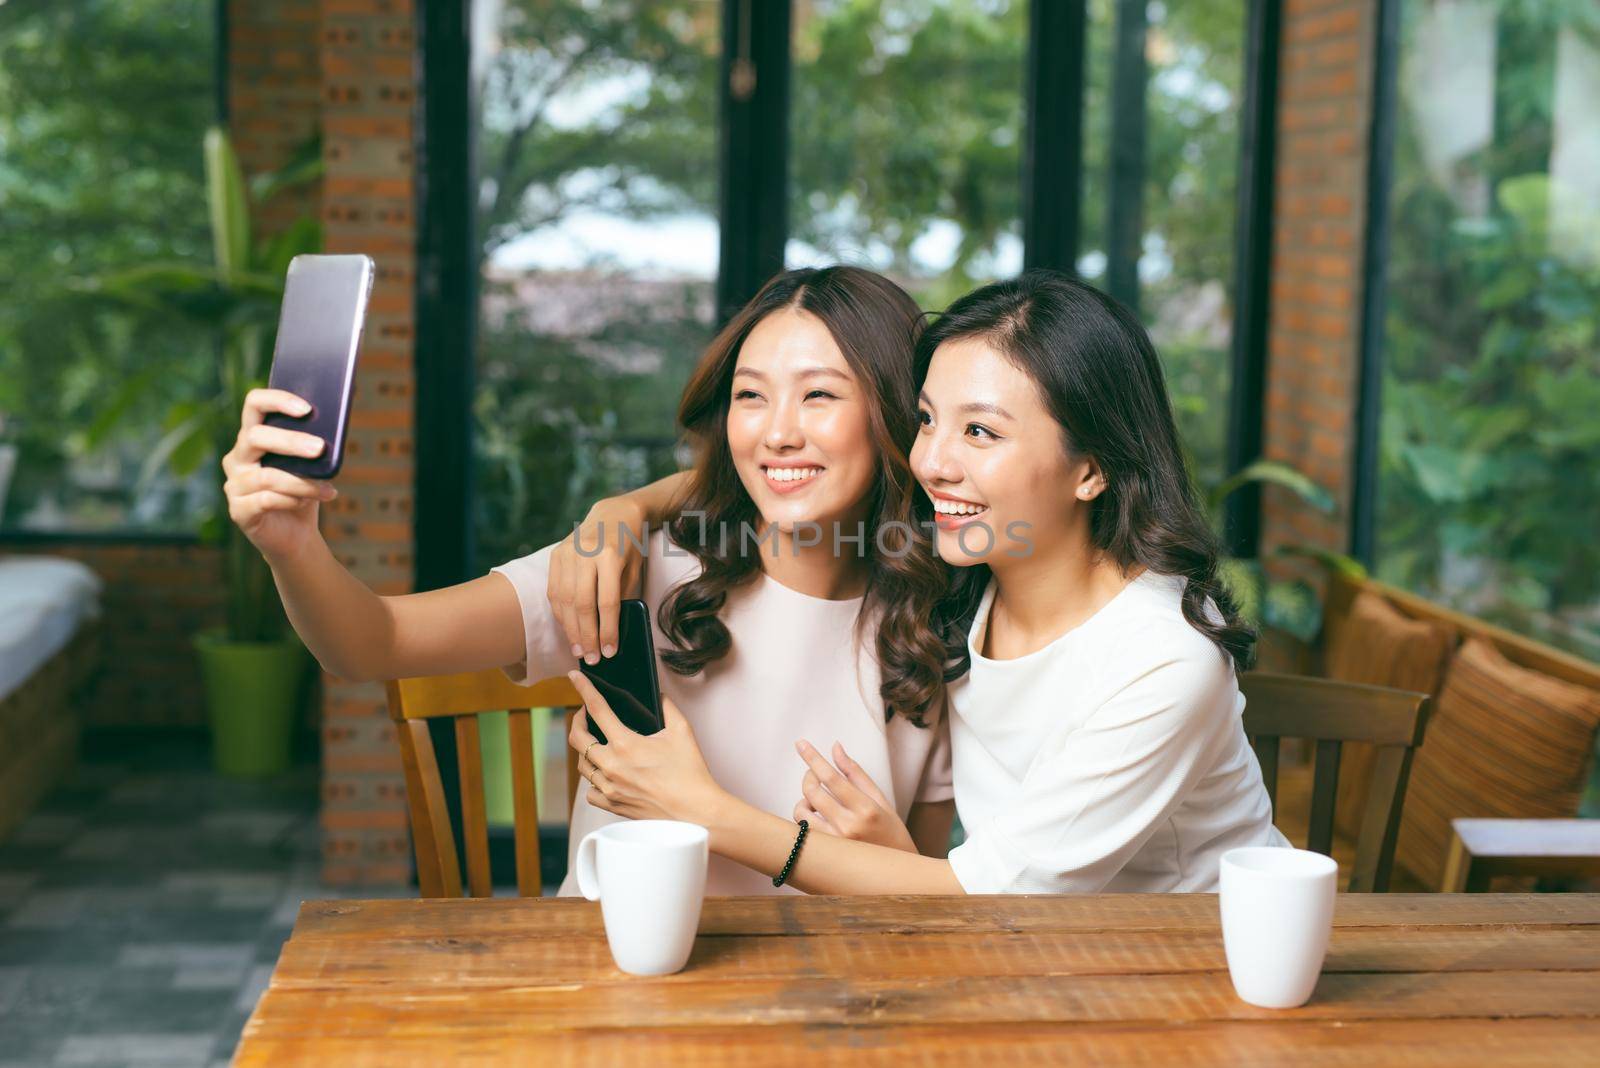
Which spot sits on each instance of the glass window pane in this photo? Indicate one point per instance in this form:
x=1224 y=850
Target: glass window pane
x=597 y=191
x=907 y=127
x=102 y=112
x=1490 y=445
x=1193 y=87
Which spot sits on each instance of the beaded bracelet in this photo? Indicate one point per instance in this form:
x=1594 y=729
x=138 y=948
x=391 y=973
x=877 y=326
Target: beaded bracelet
x=777 y=880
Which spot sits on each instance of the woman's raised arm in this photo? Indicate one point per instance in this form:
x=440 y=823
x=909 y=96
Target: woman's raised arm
x=352 y=631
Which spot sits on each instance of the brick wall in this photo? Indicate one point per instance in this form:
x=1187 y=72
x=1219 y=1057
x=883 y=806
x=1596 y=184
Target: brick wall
x=345 y=67
x=1313 y=346
x=368 y=97
x=274 y=95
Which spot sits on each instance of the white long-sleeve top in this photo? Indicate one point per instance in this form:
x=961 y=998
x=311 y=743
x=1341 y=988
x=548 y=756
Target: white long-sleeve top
x=1112 y=759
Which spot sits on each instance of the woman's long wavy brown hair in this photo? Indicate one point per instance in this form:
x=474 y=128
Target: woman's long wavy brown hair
x=1099 y=376
x=875 y=324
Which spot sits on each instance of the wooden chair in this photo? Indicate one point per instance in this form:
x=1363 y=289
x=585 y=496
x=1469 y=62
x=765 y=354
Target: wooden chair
x=1480 y=849
x=1330 y=714
x=412 y=702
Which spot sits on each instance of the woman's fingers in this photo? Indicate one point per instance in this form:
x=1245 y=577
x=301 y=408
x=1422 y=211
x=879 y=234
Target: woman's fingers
x=567 y=611
x=858 y=776
x=821 y=800
x=255 y=440
x=672 y=717
x=578 y=735
x=590 y=749
x=555 y=589
x=262 y=439
x=583 y=604
x=608 y=586
x=242 y=509
x=815 y=820
x=828 y=775
x=604 y=718
x=258 y=403
x=255 y=479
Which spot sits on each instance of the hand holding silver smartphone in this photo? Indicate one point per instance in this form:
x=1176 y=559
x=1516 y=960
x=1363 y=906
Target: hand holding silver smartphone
x=319 y=334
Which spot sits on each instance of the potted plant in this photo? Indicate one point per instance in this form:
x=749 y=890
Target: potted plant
x=1288 y=606
x=254 y=667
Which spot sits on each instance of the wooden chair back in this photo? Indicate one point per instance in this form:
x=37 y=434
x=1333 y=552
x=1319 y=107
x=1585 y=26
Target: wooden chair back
x=463 y=698
x=1331 y=713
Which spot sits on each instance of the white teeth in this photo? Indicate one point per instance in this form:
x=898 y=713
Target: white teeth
x=792 y=474
x=954 y=508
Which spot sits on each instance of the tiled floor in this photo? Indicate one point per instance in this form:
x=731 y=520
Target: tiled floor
x=143 y=905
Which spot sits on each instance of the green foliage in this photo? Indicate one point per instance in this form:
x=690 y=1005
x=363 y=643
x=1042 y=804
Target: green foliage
x=561 y=423
x=101 y=106
x=234 y=299
x=1490 y=485
x=907 y=113
x=645 y=155
x=1194 y=53
x=906 y=119
x=1288 y=605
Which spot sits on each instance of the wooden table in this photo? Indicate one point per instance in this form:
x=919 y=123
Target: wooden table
x=1115 y=979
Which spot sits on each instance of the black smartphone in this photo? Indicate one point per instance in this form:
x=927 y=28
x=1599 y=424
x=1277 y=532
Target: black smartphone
x=319 y=334
x=627 y=680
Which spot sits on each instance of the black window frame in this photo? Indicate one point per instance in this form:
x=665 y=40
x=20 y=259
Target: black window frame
x=753 y=179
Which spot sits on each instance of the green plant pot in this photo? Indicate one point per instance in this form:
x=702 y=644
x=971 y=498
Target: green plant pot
x=253 y=693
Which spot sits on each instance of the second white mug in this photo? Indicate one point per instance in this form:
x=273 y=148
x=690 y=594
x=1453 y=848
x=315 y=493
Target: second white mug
x=650 y=879
x=1277 y=915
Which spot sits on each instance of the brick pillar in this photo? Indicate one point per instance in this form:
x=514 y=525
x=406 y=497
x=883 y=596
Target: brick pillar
x=1313 y=348
x=368 y=90
x=346 y=67
x=274 y=95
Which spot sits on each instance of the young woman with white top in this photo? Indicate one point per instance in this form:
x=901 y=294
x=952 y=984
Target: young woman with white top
x=1096 y=720
x=792 y=410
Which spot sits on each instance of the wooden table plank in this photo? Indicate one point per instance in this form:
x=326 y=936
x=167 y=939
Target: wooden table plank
x=1115 y=979
x=555 y=917
x=422 y=1011
x=1313 y=1044
x=520 y=959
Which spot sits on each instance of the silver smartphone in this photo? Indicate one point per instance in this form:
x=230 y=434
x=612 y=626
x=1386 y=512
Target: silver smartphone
x=319 y=334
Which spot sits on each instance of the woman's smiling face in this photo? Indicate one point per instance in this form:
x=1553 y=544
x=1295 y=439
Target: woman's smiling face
x=798 y=428
x=991 y=456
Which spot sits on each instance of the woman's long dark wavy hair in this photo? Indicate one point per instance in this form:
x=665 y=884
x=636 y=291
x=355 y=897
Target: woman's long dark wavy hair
x=1098 y=374
x=875 y=324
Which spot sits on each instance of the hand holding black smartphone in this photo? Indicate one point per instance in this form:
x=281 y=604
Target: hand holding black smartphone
x=319 y=334
x=628 y=680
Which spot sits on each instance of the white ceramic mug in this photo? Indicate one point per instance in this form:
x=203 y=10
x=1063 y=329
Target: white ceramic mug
x=1277 y=914
x=650 y=879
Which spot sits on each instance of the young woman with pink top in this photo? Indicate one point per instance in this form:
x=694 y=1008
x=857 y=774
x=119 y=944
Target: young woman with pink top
x=801 y=416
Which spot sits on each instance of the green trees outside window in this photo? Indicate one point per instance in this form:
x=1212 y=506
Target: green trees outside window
x=1489 y=486
x=597 y=185
x=102 y=111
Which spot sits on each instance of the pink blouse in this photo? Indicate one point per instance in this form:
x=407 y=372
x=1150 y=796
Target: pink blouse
x=795 y=671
